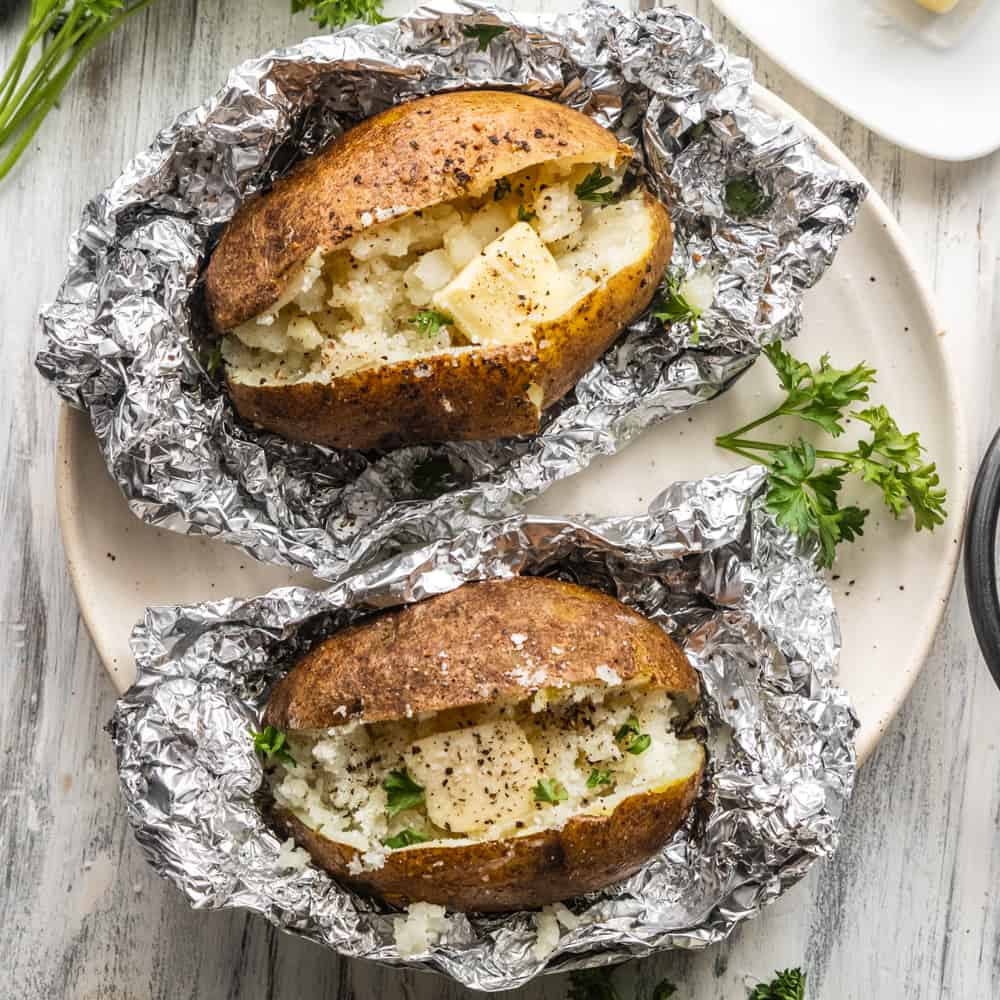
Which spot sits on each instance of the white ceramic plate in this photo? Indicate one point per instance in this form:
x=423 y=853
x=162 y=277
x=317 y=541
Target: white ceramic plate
x=927 y=82
x=892 y=586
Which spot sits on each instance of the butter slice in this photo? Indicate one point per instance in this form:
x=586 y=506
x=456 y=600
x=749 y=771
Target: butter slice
x=939 y=6
x=475 y=778
x=503 y=293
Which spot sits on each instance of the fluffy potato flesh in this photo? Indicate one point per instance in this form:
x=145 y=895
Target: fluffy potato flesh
x=470 y=273
x=474 y=778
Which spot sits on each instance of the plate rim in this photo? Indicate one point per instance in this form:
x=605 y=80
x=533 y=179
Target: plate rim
x=727 y=7
x=958 y=490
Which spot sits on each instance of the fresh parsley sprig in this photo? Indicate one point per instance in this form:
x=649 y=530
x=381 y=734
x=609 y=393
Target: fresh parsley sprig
x=745 y=198
x=334 y=14
x=803 y=495
x=590 y=188
x=402 y=792
x=405 y=838
x=272 y=744
x=673 y=306
x=787 y=985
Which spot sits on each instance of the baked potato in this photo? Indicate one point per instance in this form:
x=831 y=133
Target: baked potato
x=502 y=746
x=444 y=271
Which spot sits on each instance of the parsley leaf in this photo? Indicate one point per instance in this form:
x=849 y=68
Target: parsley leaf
x=597 y=778
x=591 y=984
x=335 y=14
x=804 y=497
x=501 y=189
x=589 y=189
x=787 y=985
x=271 y=743
x=484 y=33
x=523 y=215
x=212 y=360
x=405 y=838
x=673 y=307
x=631 y=740
x=403 y=792
x=429 y=321
x=744 y=198
x=550 y=790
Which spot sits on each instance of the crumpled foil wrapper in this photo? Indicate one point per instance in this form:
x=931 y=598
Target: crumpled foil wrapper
x=126 y=343
x=707 y=563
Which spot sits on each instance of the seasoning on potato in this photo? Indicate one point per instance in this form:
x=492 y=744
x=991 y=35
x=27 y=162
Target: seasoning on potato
x=444 y=271
x=499 y=747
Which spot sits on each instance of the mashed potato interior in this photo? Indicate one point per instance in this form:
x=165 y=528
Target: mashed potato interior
x=466 y=273
x=469 y=775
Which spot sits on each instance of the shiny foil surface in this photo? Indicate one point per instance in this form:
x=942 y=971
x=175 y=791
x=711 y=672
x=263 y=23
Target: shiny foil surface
x=753 y=614
x=126 y=342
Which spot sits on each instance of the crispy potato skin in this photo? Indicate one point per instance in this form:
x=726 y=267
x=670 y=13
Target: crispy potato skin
x=390 y=666
x=409 y=157
x=588 y=853
x=483 y=393
x=481 y=397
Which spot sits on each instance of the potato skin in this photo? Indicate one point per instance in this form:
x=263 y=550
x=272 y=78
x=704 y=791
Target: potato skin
x=518 y=873
x=414 y=155
x=389 y=667
x=480 y=398
x=480 y=394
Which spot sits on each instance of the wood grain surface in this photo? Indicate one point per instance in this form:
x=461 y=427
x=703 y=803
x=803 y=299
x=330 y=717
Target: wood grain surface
x=907 y=907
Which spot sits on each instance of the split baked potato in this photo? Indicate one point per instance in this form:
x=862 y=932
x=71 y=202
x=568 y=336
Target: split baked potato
x=444 y=271
x=502 y=746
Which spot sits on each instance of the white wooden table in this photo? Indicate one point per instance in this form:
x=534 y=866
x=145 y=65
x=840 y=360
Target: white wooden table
x=907 y=908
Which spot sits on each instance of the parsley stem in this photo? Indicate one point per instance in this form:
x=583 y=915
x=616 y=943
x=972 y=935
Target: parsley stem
x=780 y=411
x=741 y=445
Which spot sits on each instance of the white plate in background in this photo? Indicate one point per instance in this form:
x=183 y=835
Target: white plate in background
x=928 y=82
x=892 y=585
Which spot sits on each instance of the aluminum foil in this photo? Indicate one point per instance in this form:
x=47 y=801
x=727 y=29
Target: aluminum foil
x=754 y=616
x=126 y=342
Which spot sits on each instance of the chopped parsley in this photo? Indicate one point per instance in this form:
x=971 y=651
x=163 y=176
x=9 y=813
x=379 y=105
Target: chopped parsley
x=550 y=790
x=271 y=742
x=405 y=838
x=589 y=189
x=523 y=215
x=212 y=360
x=673 y=307
x=664 y=990
x=745 y=199
x=484 y=33
x=592 y=984
x=630 y=739
x=402 y=791
x=501 y=189
x=429 y=321
x=597 y=778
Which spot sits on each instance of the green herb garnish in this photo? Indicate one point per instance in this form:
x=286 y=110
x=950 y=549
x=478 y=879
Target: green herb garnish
x=212 y=360
x=272 y=744
x=589 y=189
x=787 y=985
x=630 y=739
x=597 y=778
x=484 y=33
x=591 y=984
x=550 y=790
x=744 y=198
x=405 y=838
x=523 y=215
x=429 y=321
x=664 y=990
x=804 y=497
x=335 y=14
x=402 y=791
x=501 y=189
x=673 y=307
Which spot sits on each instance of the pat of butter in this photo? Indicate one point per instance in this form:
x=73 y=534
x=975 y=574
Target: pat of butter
x=939 y=6
x=505 y=291
x=475 y=778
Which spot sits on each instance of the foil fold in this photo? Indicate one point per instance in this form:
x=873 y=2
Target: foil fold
x=126 y=342
x=706 y=562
